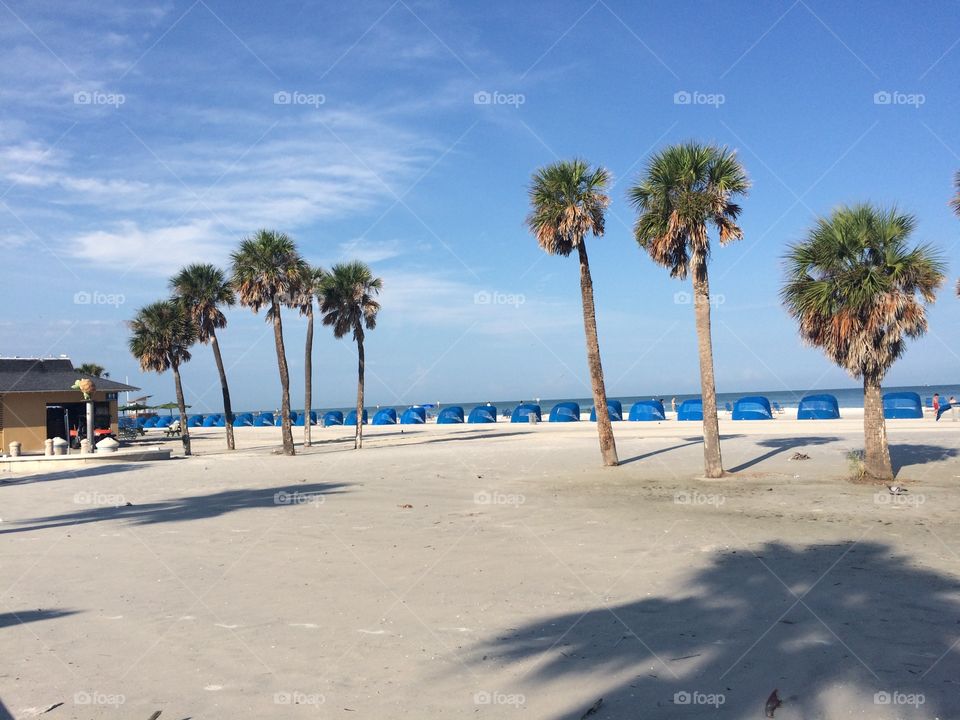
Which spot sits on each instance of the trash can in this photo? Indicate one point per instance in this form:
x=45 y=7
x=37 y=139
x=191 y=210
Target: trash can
x=14 y=449
x=532 y=418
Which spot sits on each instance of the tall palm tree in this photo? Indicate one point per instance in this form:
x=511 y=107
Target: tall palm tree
x=203 y=289
x=855 y=288
x=684 y=189
x=567 y=202
x=267 y=272
x=162 y=334
x=955 y=204
x=93 y=369
x=311 y=289
x=348 y=306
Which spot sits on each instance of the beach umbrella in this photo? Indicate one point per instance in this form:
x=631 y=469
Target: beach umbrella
x=134 y=407
x=171 y=406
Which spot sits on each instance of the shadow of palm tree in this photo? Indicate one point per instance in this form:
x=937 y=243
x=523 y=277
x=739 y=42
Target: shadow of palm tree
x=687 y=442
x=903 y=455
x=27 y=616
x=779 y=445
x=830 y=626
x=197 y=507
x=79 y=473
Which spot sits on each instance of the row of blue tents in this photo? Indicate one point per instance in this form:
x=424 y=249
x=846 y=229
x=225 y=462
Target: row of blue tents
x=897 y=405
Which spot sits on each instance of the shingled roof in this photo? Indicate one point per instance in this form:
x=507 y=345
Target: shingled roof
x=26 y=375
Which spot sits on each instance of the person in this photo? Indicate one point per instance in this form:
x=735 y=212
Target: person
x=936 y=404
x=954 y=408
x=673 y=403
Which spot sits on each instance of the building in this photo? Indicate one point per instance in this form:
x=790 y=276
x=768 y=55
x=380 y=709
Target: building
x=37 y=402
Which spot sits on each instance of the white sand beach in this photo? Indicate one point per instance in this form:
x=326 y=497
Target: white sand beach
x=491 y=572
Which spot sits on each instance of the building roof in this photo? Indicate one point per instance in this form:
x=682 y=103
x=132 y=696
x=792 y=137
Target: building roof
x=25 y=375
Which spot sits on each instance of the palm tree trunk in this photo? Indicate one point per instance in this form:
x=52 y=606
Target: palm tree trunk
x=182 y=406
x=227 y=410
x=285 y=429
x=876 y=451
x=358 y=440
x=308 y=379
x=712 y=462
x=608 y=446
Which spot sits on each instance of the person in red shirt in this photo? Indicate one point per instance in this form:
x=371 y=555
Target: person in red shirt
x=936 y=403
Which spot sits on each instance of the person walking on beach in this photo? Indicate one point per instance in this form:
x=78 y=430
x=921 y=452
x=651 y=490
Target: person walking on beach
x=936 y=404
x=954 y=408
x=673 y=404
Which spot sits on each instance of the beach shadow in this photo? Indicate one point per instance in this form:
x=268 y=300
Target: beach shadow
x=779 y=445
x=23 y=617
x=854 y=619
x=79 y=473
x=199 y=507
x=4 y=713
x=903 y=455
x=687 y=442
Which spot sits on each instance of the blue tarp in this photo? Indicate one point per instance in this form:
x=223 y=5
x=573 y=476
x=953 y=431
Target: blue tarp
x=452 y=415
x=565 y=412
x=818 y=407
x=752 y=407
x=415 y=415
x=351 y=418
x=614 y=410
x=902 y=406
x=690 y=410
x=482 y=414
x=264 y=419
x=646 y=410
x=520 y=412
x=333 y=417
x=383 y=416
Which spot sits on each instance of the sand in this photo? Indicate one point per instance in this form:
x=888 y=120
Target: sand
x=488 y=572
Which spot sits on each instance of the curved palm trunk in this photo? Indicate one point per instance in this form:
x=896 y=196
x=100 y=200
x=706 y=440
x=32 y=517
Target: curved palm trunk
x=358 y=439
x=285 y=429
x=876 y=451
x=608 y=446
x=712 y=462
x=308 y=379
x=227 y=410
x=182 y=407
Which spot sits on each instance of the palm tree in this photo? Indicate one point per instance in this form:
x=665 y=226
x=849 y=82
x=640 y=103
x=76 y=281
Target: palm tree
x=202 y=289
x=310 y=290
x=955 y=204
x=567 y=202
x=267 y=272
x=93 y=369
x=686 y=188
x=162 y=334
x=348 y=305
x=855 y=288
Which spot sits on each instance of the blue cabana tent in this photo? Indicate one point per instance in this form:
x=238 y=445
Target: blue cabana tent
x=195 y=421
x=902 y=406
x=278 y=420
x=142 y=421
x=164 y=421
x=482 y=414
x=302 y=416
x=383 y=416
x=646 y=410
x=264 y=419
x=452 y=415
x=351 y=418
x=520 y=412
x=211 y=420
x=565 y=412
x=690 y=410
x=243 y=420
x=614 y=410
x=333 y=417
x=752 y=407
x=818 y=407
x=150 y=422
x=416 y=415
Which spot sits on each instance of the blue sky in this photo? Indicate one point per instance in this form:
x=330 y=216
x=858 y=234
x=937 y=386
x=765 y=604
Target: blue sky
x=137 y=137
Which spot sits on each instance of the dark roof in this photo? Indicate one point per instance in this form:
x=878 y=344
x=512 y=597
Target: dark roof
x=23 y=375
